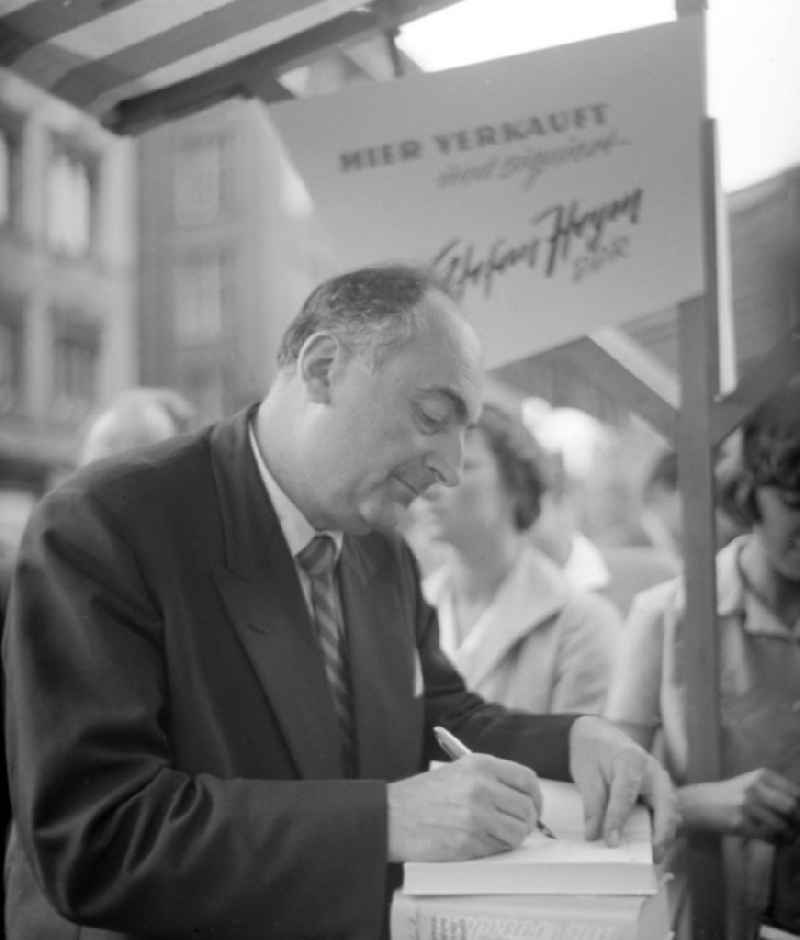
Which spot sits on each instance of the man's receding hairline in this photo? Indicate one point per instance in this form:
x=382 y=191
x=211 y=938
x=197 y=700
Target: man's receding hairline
x=437 y=308
x=426 y=313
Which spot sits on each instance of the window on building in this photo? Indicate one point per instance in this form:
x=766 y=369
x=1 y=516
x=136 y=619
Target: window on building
x=76 y=357
x=11 y=353
x=10 y=149
x=6 y=185
x=201 y=175
x=71 y=185
x=201 y=300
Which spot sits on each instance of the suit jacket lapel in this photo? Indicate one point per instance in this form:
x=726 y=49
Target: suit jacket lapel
x=264 y=600
x=381 y=660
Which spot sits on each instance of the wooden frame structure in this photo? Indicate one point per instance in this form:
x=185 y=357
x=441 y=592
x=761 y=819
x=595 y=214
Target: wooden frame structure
x=256 y=75
x=30 y=34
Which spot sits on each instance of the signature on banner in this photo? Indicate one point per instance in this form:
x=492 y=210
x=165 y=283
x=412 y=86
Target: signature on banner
x=564 y=234
x=527 y=165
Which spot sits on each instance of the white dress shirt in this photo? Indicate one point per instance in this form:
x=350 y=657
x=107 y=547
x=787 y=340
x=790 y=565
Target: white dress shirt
x=297 y=530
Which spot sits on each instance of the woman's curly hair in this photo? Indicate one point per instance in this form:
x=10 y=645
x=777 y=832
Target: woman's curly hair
x=523 y=464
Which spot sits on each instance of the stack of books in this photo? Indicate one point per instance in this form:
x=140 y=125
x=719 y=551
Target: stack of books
x=547 y=889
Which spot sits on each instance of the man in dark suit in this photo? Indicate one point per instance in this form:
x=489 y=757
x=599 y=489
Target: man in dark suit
x=179 y=762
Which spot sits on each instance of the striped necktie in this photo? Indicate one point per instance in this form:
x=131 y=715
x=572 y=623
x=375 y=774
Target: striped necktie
x=318 y=559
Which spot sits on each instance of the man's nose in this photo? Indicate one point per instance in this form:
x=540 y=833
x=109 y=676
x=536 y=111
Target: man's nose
x=445 y=460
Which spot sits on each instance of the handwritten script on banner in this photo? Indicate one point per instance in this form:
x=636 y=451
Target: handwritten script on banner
x=555 y=192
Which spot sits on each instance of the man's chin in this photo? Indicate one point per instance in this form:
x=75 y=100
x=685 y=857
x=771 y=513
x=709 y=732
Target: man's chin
x=386 y=517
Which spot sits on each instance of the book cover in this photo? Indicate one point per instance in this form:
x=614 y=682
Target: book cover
x=568 y=864
x=515 y=917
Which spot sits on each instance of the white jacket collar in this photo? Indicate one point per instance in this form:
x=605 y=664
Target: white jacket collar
x=531 y=594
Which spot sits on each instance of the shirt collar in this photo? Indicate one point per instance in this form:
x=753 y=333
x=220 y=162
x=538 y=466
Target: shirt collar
x=585 y=568
x=297 y=530
x=730 y=590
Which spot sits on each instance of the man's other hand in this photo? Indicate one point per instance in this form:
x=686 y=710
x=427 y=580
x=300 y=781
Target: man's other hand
x=476 y=806
x=612 y=772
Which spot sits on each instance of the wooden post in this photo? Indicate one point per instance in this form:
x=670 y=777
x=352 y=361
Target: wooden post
x=699 y=367
x=388 y=19
x=698 y=337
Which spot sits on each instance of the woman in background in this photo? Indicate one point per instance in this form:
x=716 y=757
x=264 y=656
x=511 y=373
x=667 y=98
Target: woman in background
x=756 y=804
x=508 y=618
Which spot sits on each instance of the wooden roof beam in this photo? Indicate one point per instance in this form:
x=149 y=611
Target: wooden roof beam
x=628 y=373
x=255 y=74
x=777 y=366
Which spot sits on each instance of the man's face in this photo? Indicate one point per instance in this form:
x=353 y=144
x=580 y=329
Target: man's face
x=389 y=433
x=779 y=529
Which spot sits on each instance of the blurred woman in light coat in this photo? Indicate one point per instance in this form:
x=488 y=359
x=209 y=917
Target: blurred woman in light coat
x=513 y=626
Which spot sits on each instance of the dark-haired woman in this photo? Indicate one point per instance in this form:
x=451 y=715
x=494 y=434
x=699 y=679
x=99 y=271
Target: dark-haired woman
x=756 y=804
x=518 y=633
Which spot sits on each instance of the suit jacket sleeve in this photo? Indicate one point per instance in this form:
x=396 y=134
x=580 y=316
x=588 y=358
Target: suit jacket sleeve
x=116 y=835
x=539 y=741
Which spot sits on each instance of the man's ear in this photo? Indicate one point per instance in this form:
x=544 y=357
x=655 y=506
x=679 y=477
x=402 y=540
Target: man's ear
x=316 y=363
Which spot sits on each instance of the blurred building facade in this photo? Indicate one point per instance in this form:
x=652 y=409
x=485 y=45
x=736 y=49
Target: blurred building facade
x=229 y=246
x=221 y=254
x=67 y=257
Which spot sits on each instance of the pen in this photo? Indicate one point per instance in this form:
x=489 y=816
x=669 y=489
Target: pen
x=454 y=749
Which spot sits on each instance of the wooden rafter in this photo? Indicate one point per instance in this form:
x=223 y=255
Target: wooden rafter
x=627 y=373
x=777 y=366
x=256 y=74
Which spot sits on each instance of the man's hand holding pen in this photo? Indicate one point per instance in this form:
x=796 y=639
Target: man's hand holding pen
x=478 y=805
x=455 y=749
x=475 y=806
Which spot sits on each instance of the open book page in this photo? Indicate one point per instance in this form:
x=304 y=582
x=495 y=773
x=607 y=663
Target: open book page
x=562 y=810
x=568 y=864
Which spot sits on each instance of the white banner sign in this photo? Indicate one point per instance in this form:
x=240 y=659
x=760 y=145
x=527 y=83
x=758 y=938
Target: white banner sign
x=556 y=192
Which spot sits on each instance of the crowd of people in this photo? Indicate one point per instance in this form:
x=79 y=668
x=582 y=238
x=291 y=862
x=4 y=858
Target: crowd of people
x=490 y=587
x=223 y=663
